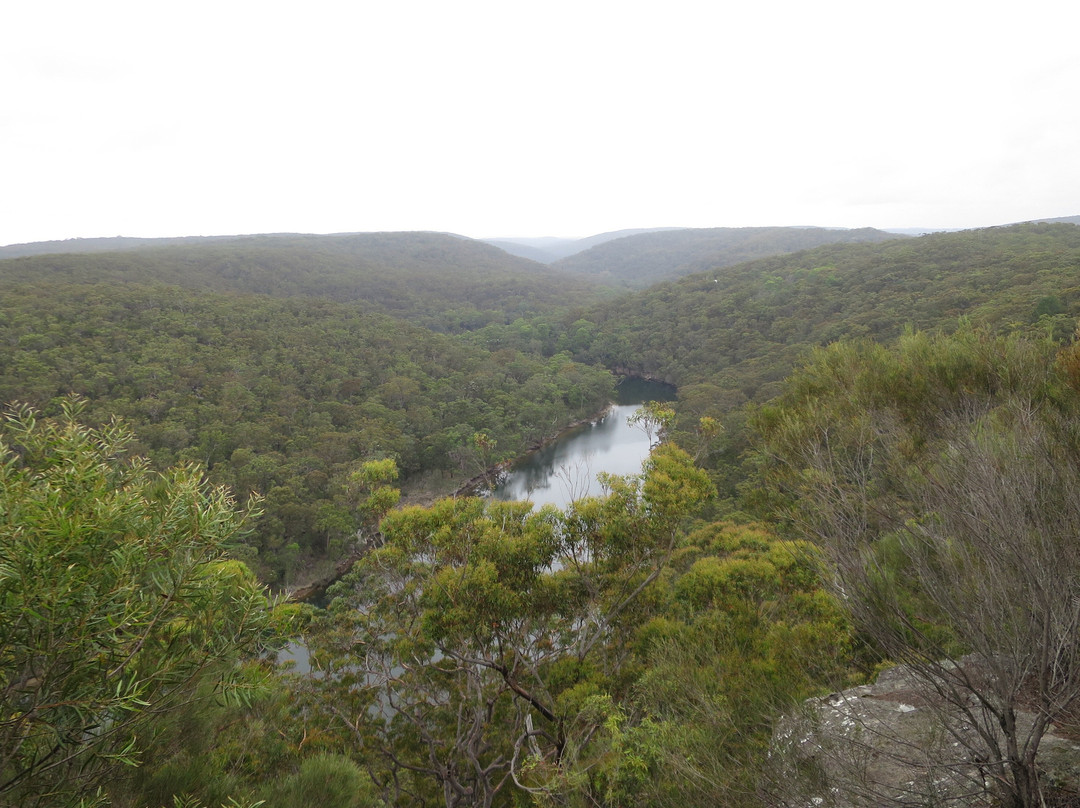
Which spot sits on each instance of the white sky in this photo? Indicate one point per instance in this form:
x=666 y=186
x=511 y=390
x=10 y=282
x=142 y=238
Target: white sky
x=511 y=118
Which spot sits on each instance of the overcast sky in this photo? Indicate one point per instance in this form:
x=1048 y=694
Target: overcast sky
x=513 y=118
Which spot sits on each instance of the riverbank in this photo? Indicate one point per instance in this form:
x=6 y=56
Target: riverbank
x=426 y=494
x=480 y=482
x=426 y=488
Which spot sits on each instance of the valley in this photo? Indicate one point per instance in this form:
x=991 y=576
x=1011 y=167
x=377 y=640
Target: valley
x=824 y=394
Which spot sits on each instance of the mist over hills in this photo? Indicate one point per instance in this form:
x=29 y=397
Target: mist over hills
x=300 y=369
x=389 y=267
x=104 y=244
x=542 y=249
x=640 y=260
x=547 y=249
x=709 y=317
x=440 y=281
x=1060 y=220
x=733 y=244
x=637 y=258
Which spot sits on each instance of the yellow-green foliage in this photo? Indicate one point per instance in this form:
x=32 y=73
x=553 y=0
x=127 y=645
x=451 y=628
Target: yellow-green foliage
x=747 y=632
x=326 y=780
x=939 y=476
x=118 y=602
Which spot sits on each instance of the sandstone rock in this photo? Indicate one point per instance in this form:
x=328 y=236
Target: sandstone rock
x=890 y=743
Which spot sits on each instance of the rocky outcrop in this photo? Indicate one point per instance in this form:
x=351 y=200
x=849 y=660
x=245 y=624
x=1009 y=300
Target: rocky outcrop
x=889 y=743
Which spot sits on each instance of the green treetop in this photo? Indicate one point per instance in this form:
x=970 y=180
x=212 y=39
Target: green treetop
x=117 y=597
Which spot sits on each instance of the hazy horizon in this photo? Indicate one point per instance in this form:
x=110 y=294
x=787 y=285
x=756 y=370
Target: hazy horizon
x=515 y=238
x=484 y=118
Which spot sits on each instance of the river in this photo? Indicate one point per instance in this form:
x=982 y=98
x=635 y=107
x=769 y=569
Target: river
x=566 y=468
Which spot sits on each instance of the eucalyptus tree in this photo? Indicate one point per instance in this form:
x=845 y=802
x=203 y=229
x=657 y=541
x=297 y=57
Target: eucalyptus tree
x=471 y=654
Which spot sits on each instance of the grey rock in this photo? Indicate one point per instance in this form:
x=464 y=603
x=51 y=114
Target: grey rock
x=892 y=743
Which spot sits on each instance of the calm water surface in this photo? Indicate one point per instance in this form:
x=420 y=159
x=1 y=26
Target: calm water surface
x=566 y=469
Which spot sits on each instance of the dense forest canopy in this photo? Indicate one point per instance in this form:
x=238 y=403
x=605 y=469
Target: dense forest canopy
x=641 y=259
x=746 y=323
x=301 y=355
x=279 y=362
x=633 y=650
x=439 y=281
x=283 y=396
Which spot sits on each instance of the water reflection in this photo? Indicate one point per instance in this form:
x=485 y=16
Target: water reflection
x=296 y=653
x=566 y=469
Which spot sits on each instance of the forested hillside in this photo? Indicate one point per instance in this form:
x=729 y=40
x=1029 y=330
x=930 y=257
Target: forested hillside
x=443 y=282
x=739 y=329
x=642 y=259
x=729 y=336
x=221 y=349
x=636 y=649
x=94 y=245
x=281 y=362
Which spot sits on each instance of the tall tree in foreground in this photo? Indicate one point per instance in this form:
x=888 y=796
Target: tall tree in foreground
x=475 y=653
x=941 y=477
x=117 y=599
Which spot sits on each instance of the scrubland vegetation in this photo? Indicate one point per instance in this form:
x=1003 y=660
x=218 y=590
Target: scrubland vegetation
x=871 y=460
